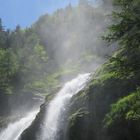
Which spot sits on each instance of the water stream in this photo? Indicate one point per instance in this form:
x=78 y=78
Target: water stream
x=14 y=130
x=55 y=112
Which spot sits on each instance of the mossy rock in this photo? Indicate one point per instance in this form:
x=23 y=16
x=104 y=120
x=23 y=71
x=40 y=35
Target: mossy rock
x=106 y=87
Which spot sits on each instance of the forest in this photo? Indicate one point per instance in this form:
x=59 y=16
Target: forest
x=38 y=63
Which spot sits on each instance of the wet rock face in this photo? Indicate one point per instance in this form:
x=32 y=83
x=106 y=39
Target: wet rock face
x=32 y=132
x=4 y=104
x=90 y=106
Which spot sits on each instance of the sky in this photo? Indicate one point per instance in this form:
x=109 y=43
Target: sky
x=26 y=12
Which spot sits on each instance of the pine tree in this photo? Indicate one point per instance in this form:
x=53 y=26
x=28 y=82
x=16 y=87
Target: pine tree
x=1 y=26
x=126 y=31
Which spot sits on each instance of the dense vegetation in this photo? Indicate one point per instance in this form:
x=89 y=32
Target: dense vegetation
x=35 y=61
x=21 y=60
x=109 y=107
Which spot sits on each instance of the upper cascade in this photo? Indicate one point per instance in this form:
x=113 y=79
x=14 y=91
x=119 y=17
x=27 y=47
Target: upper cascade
x=57 y=108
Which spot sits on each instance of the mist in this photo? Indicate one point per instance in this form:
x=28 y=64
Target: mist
x=55 y=49
x=73 y=36
x=51 y=52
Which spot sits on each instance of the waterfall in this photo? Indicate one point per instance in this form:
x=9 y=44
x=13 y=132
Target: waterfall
x=54 y=115
x=55 y=110
x=14 y=130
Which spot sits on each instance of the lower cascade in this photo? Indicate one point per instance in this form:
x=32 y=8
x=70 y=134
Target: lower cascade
x=14 y=130
x=54 y=115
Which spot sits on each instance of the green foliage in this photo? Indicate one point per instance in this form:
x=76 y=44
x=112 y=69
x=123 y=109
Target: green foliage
x=8 y=68
x=22 y=59
x=126 y=30
x=125 y=109
x=39 y=50
x=124 y=115
x=79 y=114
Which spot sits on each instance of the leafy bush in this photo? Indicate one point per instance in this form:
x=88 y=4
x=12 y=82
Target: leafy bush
x=124 y=118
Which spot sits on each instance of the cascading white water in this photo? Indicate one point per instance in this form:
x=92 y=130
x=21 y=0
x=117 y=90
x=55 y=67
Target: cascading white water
x=54 y=113
x=56 y=108
x=14 y=130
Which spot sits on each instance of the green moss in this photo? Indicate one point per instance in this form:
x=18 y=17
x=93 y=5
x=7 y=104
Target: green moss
x=78 y=114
